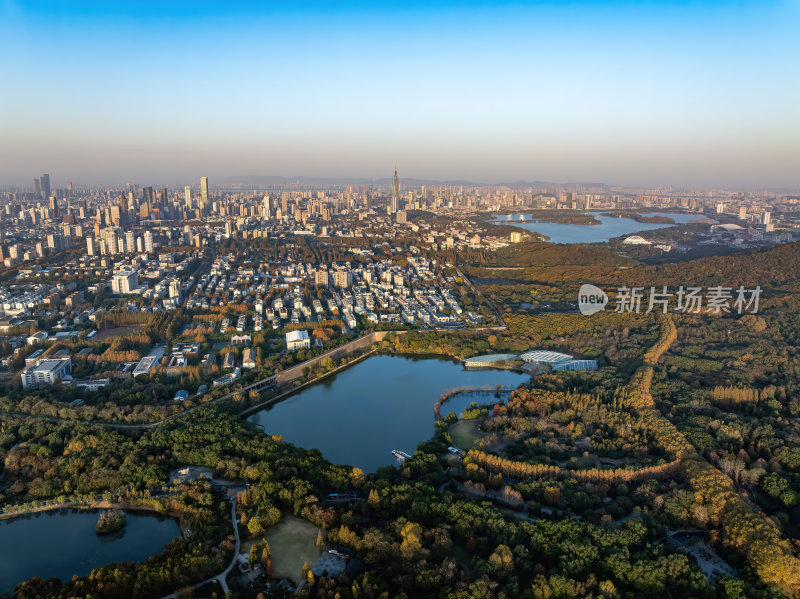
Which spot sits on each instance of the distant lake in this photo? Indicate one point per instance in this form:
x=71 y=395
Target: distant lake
x=63 y=543
x=361 y=414
x=608 y=228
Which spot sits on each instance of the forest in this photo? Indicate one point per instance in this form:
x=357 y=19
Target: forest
x=573 y=488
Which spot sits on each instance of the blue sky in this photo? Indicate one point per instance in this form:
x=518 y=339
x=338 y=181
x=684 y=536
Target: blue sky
x=636 y=93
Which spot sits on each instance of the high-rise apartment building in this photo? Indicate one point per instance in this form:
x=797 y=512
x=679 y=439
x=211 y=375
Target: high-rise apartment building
x=322 y=278
x=342 y=278
x=265 y=209
x=148 y=241
x=111 y=241
x=125 y=281
x=175 y=288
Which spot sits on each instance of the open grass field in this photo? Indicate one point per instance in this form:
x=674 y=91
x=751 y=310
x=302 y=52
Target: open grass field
x=465 y=433
x=292 y=541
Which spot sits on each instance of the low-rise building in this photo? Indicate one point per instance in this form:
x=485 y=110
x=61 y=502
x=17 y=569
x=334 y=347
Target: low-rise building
x=297 y=339
x=37 y=337
x=92 y=385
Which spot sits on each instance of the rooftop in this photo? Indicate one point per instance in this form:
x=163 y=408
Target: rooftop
x=300 y=335
x=489 y=359
x=544 y=356
x=49 y=365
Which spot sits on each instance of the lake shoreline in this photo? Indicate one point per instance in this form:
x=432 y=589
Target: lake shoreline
x=83 y=506
x=381 y=404
x=610 y=225
x=40 y=535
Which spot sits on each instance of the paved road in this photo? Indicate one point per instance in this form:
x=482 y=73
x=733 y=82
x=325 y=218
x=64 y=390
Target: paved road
x=147 y=425
x=221 y=577
x=477 y=292
x=258 y=383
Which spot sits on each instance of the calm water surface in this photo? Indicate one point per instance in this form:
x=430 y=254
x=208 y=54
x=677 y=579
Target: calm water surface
x=62 y=543
x=608 y=228
x=361 y=414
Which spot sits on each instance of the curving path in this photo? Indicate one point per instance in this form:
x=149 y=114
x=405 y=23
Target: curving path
x=222 y=576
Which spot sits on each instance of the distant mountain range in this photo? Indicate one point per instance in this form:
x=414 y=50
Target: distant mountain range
x=269 y=180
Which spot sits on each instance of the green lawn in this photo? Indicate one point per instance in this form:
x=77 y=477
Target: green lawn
x=292 y=541
x=465 y=433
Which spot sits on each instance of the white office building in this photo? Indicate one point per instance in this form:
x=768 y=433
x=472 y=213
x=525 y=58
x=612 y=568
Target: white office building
x=45 y=372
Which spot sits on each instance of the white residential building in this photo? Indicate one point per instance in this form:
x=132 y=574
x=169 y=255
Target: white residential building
x=123 y=282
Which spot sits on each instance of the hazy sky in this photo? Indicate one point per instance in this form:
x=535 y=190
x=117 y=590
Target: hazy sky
x=632 y=93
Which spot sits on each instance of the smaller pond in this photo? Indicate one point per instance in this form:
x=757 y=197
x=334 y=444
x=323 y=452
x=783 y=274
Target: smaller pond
x=464 y=401
x=63 y=543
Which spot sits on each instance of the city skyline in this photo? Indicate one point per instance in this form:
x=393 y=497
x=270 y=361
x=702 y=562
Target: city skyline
x=668 y=93
x=254 y=183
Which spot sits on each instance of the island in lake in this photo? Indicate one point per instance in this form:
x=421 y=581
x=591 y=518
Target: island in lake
x=656 y=219
x=110 y=521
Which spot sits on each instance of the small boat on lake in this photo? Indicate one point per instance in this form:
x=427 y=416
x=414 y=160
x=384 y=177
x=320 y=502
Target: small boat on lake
x=400 y=455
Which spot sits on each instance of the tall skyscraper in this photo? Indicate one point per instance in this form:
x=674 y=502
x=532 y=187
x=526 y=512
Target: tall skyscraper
x=147 y=202
x=204 y=191
x=115 y=215
x=147 y=196
x=187 y=196
x=265 y=210
x=395 y=192
x=45 y=179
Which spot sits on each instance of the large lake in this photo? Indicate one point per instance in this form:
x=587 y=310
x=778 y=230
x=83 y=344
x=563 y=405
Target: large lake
x=361 y=414
x=62 y=543
x=609 y=227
